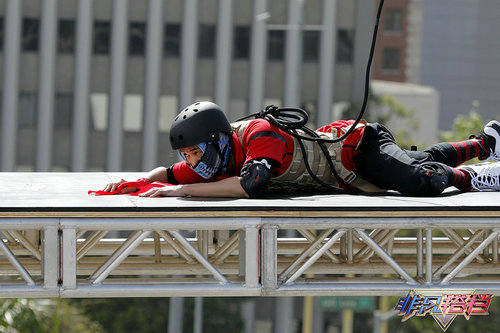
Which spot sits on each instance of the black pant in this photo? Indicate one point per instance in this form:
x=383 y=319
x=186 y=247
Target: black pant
x=388 y=166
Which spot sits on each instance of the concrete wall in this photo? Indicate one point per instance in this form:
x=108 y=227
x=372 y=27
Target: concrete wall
x=460 y=48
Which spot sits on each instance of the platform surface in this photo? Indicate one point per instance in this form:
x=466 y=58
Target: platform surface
x=66 y=194
x=59 y=241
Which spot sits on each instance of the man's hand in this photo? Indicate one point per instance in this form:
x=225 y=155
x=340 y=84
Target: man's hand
x=165 y=191
x=111 y=187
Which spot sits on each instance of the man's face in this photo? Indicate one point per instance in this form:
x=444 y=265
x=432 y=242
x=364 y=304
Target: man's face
x=193 y=155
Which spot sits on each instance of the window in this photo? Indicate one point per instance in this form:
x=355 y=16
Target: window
x=26 y=111
x=137 y=38
x=102 y=35
x=390 y=60
x=63 y=113
x=206 y=41
x=172 y=40
x=99 y=111
x=132 y=113
x=66 y=36
x=276 y=45
x=393 y=21
x=241 y=42
x=310 y=46
x=345 y=46
x=31 y=28
x=168 y=111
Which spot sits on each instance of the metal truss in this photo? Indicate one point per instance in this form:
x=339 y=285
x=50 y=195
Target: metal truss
x=368 y=256
x=246 y=256
x=28 y=257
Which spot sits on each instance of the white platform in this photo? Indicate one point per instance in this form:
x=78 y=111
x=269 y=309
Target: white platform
x=61 y=242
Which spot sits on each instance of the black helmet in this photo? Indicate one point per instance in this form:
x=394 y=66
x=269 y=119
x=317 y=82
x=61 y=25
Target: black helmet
x=199 y=122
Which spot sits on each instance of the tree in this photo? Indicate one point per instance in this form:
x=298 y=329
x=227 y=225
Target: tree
x=392 y=110
x=43 y=316
x=384 y=109
x=220 y=314
x=463 y=126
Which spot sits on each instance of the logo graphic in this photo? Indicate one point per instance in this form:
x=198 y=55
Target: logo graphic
x=443 y=305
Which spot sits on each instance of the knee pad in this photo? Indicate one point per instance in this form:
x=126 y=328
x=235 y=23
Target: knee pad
x=437 y=179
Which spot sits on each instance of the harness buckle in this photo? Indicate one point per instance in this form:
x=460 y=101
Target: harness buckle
x=349 y=177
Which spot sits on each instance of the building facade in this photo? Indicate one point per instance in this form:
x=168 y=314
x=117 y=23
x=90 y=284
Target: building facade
x=460 y=49
x=451 y=46
x=398 y=53
x=93 y=85
x=397 y=71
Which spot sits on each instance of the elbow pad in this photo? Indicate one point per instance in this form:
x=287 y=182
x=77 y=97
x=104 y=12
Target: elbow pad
x=254 y=176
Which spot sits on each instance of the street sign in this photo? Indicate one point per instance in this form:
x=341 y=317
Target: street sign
x=359 y=303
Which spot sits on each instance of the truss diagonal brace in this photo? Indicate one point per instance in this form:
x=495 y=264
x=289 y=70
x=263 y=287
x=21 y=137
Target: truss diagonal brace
x=459 y=241
x=316 y=255
x=284 y=275
x=26 y=243
x=386 y=257
x=463 y=249
x=201 y=259
x=92 y=240
x=119 y=255
x=225 y=250
x=384 y=239
x=376 y=235
x=166 y=237
x=12 y=259
x=311 y=237
x=470 y=257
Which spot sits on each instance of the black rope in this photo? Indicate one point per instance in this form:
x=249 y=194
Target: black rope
x=290 y=119
x=330 y=164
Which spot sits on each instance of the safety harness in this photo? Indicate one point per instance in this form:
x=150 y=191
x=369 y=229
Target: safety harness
x=310 y=164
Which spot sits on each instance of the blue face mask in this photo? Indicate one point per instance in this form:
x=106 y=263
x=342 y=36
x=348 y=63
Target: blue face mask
x=215 y=157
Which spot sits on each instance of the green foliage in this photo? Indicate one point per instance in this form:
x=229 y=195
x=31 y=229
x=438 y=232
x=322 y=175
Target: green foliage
x=151 y=314
x=127 y=314
x=220 y=315
x=464 y=126
x=17 y=315
x=390 y=110
x=43 y=316
x=68 y=318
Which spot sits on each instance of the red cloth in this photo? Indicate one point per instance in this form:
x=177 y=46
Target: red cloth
x=142 y=186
